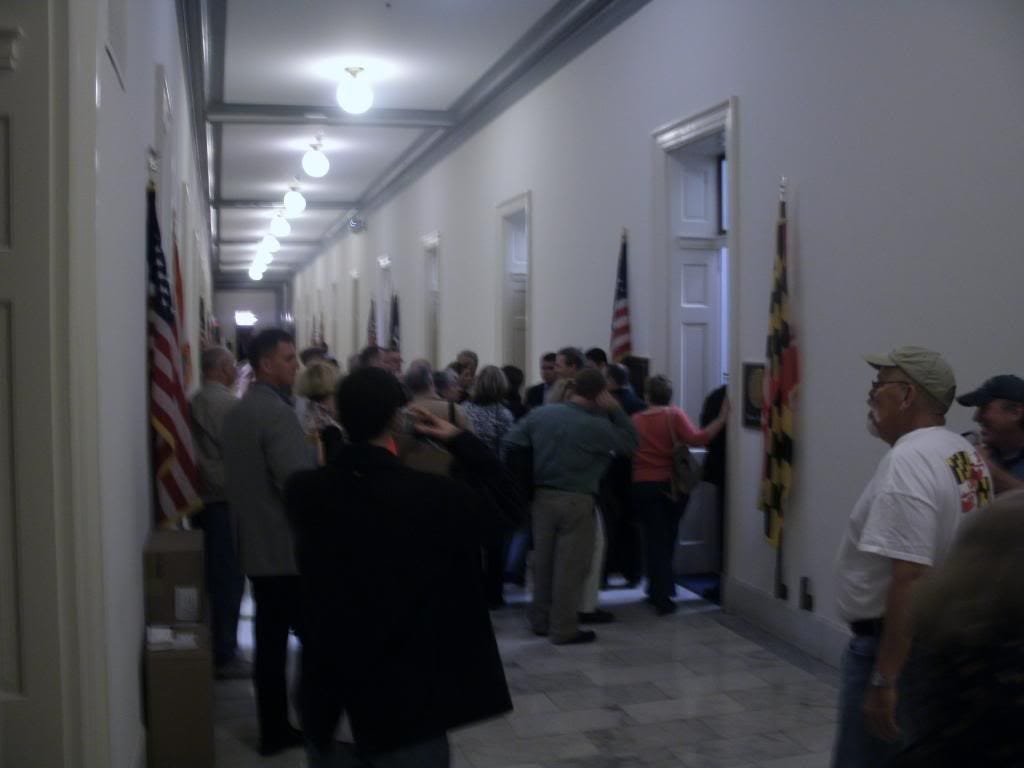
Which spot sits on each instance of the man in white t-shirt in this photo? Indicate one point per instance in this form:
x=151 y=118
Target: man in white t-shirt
x=903 y=524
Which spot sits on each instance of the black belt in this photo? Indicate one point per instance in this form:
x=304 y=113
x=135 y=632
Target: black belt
x=867 y=627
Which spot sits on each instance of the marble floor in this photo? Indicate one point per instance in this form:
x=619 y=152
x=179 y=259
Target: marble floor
x=698 y=689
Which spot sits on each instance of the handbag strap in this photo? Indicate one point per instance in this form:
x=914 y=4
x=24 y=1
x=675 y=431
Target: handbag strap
x=671 y=432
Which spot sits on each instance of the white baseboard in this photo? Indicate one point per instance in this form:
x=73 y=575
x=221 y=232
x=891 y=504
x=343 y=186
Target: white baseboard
x=816 y=636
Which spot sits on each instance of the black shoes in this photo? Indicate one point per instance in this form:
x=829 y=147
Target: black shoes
x=581 y=636
x=664 y=609
x=597 y=616
x=288 y=740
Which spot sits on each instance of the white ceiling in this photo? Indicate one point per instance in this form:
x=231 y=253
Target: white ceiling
x=418 y=54
x=263 y=75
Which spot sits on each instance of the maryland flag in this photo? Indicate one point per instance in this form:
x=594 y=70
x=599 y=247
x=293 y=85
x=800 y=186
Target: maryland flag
x=781 y=381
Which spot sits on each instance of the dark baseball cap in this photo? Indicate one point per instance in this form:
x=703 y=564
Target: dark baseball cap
x=1002 y=387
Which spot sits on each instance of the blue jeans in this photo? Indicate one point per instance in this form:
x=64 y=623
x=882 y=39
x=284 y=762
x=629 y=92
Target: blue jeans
x=855 y=746
x=426 y=754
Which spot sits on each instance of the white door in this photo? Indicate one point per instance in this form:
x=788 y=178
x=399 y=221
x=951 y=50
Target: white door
x=38 y=697
x=515 y=241
x=696 y=317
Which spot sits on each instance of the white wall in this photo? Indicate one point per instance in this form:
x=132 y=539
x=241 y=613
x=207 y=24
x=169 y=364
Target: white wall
x=124 y=119
x=898 y=125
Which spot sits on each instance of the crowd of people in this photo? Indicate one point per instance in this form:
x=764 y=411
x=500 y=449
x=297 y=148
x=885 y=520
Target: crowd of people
x=380 y=513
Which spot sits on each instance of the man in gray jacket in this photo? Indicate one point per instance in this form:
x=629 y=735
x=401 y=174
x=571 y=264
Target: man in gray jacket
x=224 y=580
x=264 y=445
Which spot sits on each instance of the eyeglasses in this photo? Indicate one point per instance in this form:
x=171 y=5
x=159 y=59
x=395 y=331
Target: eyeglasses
x=877 y=385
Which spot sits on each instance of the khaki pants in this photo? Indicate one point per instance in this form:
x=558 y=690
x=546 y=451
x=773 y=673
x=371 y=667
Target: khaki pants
x=563 y=547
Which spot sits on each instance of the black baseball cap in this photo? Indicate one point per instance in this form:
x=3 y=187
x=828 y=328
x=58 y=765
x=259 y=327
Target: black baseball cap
x=1002 y=387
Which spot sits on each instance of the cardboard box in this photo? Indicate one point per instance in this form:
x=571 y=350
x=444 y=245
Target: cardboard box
x=179 y=701
x=174 y=583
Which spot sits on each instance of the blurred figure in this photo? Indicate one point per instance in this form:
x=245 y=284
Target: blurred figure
x=999 y=410
x=595 y=357
x=317 y=384
x=903 y=523
x=968 y=626
x=446 y=385
x=491 y=421
x=374 y=357
x=399 y=637
x=513 y=395
x=224 y=579
x=537 y=394
x=620 y=388
x=420 y=381
x=655 y=501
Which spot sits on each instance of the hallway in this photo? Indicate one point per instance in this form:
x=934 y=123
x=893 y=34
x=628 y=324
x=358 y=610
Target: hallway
x=699 y=689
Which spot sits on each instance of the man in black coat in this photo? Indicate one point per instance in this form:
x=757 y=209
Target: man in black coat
x=535 y=395
x=398 y=635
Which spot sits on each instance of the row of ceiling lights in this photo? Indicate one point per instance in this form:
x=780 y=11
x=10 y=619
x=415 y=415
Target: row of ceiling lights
x=354 y=96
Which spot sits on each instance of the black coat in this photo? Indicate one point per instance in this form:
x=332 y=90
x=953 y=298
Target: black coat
x=398 y=634
x=535 y=396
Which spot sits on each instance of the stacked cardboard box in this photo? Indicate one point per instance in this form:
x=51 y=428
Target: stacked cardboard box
x=178 y=659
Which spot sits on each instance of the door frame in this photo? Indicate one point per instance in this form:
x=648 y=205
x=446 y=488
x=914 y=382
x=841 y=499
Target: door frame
x=513 y=205
x=431 y=243
x=721 y=117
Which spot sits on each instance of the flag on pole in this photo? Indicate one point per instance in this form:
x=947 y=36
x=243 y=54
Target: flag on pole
x=179 y=300
x=395 y=330
x=621 y=345
x=176 y=480
x=781 y=380
x=371 y=325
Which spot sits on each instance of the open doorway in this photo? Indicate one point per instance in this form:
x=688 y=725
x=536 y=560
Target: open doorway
x=698 y=160
x=432 y=297
x=514 y=247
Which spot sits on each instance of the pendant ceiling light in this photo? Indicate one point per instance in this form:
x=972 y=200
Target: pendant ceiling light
x=255 y=273
x=270 y=244
x=294 y=202
x=279 y=226
x=354 y=94
x=263 y=258
x=315 y=162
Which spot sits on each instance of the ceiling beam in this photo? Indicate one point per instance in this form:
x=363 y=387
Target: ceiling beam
x=284 y=114
x=311 y=205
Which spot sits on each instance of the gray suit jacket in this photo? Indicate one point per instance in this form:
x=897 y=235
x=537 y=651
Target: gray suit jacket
x=263 y=446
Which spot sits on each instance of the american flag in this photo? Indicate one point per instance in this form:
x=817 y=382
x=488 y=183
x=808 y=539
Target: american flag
x=395 y=331
x=781 y=380
x=371 y=325
x=621 y=344
x=176 y=479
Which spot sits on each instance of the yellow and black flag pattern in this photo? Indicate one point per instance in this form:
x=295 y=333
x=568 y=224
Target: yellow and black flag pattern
x=781 y=379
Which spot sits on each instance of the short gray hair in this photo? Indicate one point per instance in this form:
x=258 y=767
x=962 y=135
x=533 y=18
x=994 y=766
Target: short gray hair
x=212 y=357
x=419 y=377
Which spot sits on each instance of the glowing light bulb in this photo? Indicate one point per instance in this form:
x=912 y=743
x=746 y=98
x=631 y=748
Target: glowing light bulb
x=270 y=244
x=294 y=202
x=315 y=162
x=255 y=274
x=354 y=95
x=279 y=226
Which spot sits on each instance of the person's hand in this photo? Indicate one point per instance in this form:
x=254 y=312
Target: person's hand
x=880 y=712
x=427 y=424
x=607 y=401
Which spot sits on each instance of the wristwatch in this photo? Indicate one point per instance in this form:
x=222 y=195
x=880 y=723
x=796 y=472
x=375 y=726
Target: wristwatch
x=878 y=680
